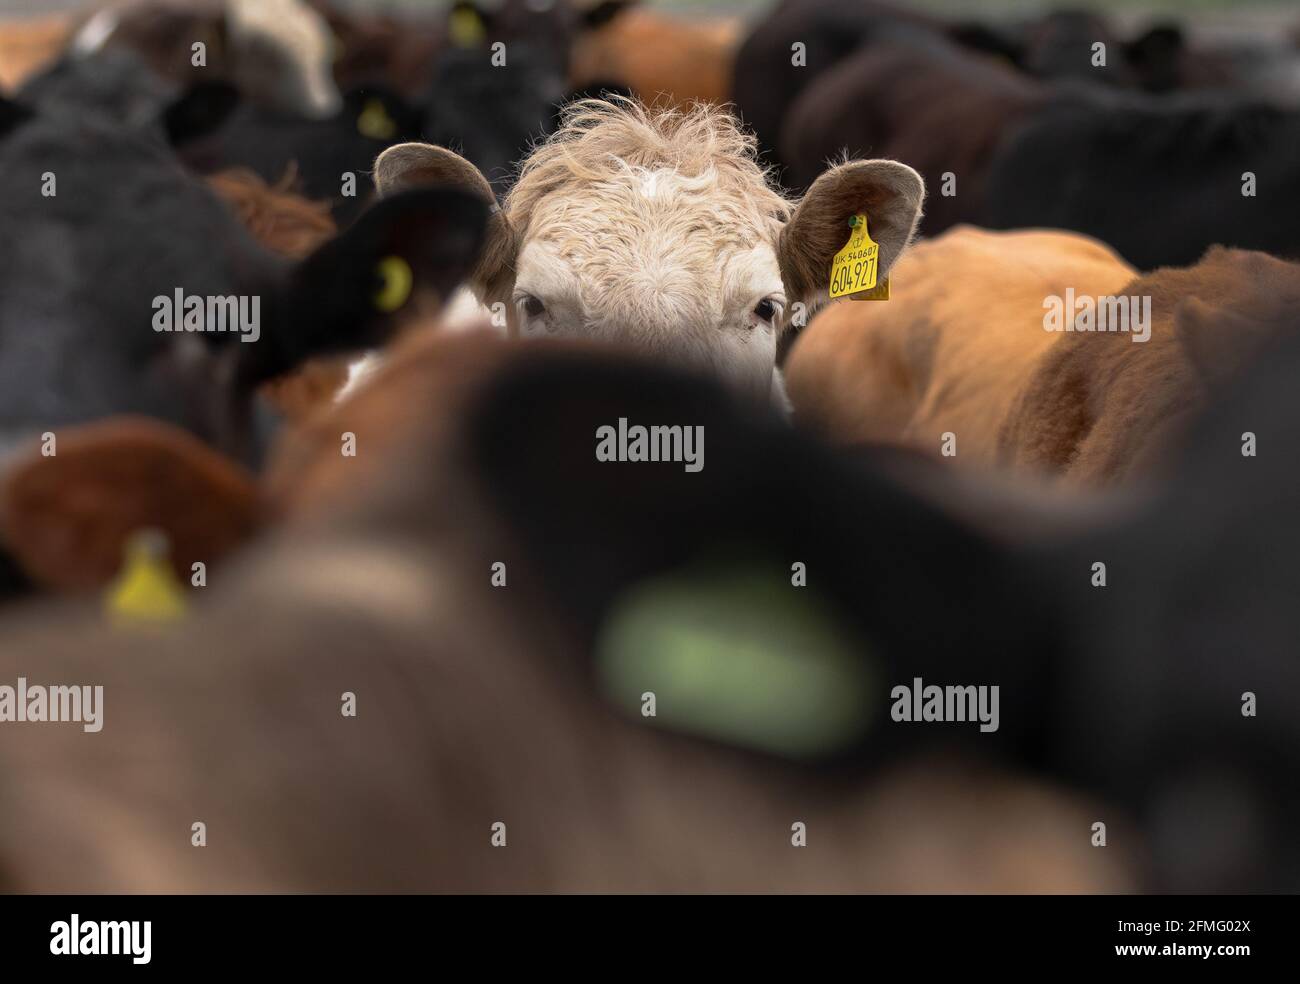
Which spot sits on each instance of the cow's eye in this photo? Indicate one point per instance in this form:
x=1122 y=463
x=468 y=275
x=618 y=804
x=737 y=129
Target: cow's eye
x=530 y=305
x=766 y=309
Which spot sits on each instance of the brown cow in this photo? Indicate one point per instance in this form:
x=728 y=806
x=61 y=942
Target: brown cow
x=1099 y=409
x=65 y=518
x=962 y=350
x=30 y=44
x=661 y=58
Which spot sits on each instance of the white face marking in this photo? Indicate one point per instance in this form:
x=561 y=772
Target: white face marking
x=304 y=40
x=654 y=260
x=94 y=34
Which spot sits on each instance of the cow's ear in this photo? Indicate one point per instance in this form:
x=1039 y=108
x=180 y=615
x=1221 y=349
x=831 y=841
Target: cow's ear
x=358 y=288
x=887 y=192
x=1157 y=56
x=420 y=165
x=11 y=115
x=597 y=13
x=199 y=111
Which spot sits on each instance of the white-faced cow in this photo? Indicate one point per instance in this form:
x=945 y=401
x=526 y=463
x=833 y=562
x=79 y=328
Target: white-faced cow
x=658 y=228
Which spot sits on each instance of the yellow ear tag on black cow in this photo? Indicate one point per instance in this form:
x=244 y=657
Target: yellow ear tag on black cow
x=396 y=274
x=147 y=589
x=374 y=121
x=466 y=27
x=854 y=268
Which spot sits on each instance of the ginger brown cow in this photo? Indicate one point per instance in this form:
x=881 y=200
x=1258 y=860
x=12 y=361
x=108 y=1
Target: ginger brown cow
x=662 y=59
x=30 y=44
x=962 y=349
x=945 y=354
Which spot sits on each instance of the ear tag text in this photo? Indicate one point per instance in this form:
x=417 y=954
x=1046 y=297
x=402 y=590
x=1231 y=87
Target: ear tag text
x=854 y=268
x=880 y=292
x=398 y=280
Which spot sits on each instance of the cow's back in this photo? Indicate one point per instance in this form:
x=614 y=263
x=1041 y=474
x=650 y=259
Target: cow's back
x=948 y=352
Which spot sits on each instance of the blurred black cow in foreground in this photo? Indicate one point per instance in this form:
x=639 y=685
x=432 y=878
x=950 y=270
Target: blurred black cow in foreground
x=627 y=581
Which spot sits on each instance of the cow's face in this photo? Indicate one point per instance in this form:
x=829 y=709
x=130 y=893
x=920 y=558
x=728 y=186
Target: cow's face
x=660 y=231
x=658 y=260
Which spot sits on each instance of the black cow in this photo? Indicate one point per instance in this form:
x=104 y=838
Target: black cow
x=1199 y=610
x=768 y=76
x=111 y=85
x=1159 y=182
x=489 y=114
x=101 y=221
x=1134 y=690
x=911 y=95
x=213 y=128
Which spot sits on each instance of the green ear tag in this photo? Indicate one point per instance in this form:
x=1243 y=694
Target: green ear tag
x=740 y=656
x=398 y=280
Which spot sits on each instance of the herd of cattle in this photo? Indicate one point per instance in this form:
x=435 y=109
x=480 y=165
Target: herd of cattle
x=558 y=672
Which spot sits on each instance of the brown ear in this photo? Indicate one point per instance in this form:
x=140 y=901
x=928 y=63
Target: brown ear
x=418 y=165
x=887 y=192
x=65 y=519
x=1218 y=342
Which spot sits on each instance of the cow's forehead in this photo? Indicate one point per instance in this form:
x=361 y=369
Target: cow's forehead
x=635 y=203
x=645 y=230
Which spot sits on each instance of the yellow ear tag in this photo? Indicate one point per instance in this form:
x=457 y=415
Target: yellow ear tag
x=397 y=277
x=375 y=123
x=147 y=589
x=465 y=27
x=853 y=270
x=880 y=292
